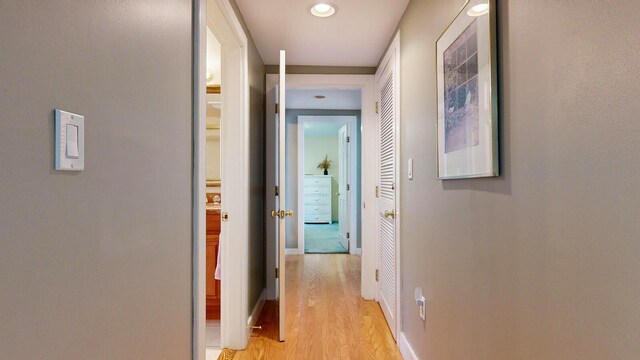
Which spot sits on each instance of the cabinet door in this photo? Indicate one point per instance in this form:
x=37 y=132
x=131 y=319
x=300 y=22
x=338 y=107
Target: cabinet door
x=213 y=285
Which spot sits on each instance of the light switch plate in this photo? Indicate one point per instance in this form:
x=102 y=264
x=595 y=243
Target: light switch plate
x=69 y=147
x=410 y=171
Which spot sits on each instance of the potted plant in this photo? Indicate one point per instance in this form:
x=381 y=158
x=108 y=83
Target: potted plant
x=325 y=165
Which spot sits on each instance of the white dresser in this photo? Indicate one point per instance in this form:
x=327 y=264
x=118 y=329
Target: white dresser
x=317 y=199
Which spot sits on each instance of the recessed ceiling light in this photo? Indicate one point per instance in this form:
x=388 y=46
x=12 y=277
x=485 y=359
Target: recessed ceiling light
x=478 y=10
x=320 y=97
x=323 y=9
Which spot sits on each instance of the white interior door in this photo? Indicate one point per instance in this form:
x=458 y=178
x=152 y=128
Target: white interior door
x=387 y=249
x=282 y=214
x=343 y=181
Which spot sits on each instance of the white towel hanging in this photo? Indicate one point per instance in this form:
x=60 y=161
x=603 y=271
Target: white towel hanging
x=217 y=274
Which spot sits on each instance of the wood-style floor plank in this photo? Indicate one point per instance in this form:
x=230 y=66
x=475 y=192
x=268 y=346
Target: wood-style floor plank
x=326 y=316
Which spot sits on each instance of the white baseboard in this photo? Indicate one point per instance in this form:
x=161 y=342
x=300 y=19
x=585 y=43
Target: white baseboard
x=255 y=313
x=405 y=348
x=291 y=251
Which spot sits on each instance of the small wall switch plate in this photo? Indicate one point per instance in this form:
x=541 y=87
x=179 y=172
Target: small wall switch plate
x=69 y=141
x=421 y=302
x=410 y=167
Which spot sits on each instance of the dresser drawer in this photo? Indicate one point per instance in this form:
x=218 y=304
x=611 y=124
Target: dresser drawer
x=315 y=181
x=317 y=190
x=316 y=199
x=317 y=210
x=318 y=218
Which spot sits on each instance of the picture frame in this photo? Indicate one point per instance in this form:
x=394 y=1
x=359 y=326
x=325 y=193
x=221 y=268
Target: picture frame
x=467 y=94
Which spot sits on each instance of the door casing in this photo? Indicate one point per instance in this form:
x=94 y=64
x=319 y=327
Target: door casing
x=366 y=83
x=351 y=122
x=220 y=16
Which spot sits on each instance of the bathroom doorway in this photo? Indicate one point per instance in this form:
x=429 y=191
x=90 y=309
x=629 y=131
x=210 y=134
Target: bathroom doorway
x=213 y=200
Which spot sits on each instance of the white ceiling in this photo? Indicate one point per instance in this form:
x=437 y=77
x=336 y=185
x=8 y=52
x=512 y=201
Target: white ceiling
x=323 y=129
x=355 y=36
x=334 y=99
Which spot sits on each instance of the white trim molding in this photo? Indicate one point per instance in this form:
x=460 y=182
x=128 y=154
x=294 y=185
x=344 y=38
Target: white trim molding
x=291 y=251
x=221 y=18
x=406 y=349
x=199 y=179
x=257 y=309
x=365 y=83
x=351 y=122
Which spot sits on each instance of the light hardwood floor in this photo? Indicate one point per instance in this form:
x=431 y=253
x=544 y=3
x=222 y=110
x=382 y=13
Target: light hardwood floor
x=326 y=317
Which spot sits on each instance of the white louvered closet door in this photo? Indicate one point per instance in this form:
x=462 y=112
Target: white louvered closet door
x=387 y=249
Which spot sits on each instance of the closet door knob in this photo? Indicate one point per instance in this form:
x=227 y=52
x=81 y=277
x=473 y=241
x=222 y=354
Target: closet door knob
x=390 y=214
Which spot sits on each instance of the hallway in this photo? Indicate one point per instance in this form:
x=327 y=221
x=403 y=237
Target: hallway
x=326 y=317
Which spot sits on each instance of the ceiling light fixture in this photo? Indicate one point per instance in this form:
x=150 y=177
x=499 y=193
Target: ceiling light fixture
x=478 y=10
x=323 y=10
x=320 y=97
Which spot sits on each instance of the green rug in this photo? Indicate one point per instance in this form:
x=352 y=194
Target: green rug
x=322 y=239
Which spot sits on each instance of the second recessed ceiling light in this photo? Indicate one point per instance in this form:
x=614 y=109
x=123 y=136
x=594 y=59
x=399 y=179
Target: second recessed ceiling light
x=323 y=9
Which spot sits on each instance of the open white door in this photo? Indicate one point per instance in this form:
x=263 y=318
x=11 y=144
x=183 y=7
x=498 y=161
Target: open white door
x=387 y=245
x=343 y=186
x=281 y=213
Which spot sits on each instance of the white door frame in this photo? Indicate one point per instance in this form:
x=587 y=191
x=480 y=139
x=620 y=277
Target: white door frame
x=234 y=140
x=351 y=121
x=365 y=83
x=393 y=53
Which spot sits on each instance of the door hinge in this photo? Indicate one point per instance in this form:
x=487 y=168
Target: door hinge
x=348 y=235
x=377 y=191
x=377 y=107
x=348 y=187
x=348 y=138
x=377 y=275
x=277 y=273
x=225 y=216
x=277 y=191
x=277 y=108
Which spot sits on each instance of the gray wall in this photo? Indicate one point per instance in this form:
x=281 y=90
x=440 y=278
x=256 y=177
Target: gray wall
x=97 y=264
x=542 y=262
x=257 y=280
x=291 y=181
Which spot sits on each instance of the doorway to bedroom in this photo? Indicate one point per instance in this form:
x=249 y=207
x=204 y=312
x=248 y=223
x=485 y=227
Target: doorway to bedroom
x=326 y=159
x=323 y=168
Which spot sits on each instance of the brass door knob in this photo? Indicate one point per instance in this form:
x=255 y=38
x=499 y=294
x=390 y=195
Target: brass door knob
x=390 y=214
x=281 y=214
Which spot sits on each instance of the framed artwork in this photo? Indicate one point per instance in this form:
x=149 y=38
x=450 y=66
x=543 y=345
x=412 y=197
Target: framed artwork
x=467 y=94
